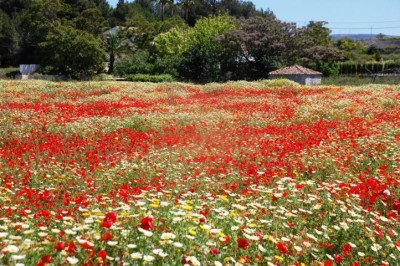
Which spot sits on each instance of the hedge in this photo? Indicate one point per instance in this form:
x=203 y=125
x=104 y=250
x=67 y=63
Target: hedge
x=149 y=78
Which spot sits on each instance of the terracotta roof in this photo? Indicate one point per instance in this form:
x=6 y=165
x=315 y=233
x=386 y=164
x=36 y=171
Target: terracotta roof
x=295 y=70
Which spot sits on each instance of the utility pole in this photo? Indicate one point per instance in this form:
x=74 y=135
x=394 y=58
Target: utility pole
x=371 y=34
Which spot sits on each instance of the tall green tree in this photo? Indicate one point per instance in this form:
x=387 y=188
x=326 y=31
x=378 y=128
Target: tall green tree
x=260 y=44
x=36 y=22
x=72 y=52
x=115 y=44
x=201 y=61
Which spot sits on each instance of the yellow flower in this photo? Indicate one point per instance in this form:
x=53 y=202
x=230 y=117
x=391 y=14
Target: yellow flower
x=192 y=232
x=187 y=207
x=279 y=258
x=221 y=234
x=223 y=197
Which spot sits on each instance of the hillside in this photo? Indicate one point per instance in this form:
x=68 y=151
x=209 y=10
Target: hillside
x=358 y=37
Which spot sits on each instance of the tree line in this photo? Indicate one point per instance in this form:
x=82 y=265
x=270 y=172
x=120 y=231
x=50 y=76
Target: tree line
x=196 y=40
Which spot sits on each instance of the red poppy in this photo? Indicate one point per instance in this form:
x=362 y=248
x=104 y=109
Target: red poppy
x=282 y=248
x=214 y=251
x=147 y=223
x=111 y=216
x=106 y=224
x=243 y=243
x=347 y=249
x=328 y=263
x=338 y=258
x=226 y=239
x=106 y=236
x=46 y=259
x=59 y=246
x=71 y=248
x=102 y=254
x=85 y=245
x=355 y=263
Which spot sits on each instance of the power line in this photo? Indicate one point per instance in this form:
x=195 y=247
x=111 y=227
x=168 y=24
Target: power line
x=375 y=28
x=364 y=22
x=349 y=22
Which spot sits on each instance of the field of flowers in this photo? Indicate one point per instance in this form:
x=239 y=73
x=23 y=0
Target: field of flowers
x=175 y=174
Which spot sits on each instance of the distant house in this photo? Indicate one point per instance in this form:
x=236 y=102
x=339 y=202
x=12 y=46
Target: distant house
x=298 y=74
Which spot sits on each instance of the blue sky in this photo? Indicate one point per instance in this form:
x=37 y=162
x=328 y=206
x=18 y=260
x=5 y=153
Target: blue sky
x=343 y=16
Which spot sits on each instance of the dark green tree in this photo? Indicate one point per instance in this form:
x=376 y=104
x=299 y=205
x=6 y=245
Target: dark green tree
x=72 y=52
x=36 y=22
x=92 y=21
x=201 y=62
x=14 y=6
x=8 y=40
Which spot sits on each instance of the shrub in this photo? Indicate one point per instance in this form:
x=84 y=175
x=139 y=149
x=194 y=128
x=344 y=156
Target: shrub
x=278 y=82
x=149 y=78
x=138 y=63
x=9 y=72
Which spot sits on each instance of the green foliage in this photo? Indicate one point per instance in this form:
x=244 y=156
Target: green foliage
x=259 y=45
x=72 y=52
x=352 y=50
x=179 y=39
x=207 y=29
x=329 y=68
x=149 y=78
x=92 y=21
x=9 y=72
x=8 y=40
x=36 y=22
x=173 y=42
x=278 y=83
x=355 y=80
x=318 y=33
x=116 y=44
x=139 y=62
x=143 y=31
x=350 y=45
x=200 y=56
x=355 y=68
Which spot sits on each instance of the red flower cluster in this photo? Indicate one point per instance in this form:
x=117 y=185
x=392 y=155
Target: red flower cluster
x=243 y=243
x=147 y=223
x=282 y=248
x=109 y=220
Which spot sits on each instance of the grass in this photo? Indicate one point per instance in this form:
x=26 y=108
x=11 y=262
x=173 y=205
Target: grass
x=359 y=80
